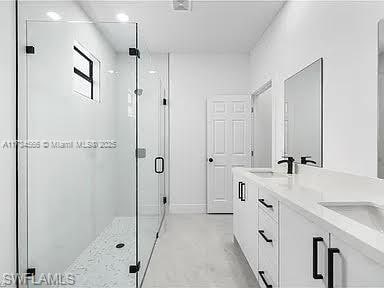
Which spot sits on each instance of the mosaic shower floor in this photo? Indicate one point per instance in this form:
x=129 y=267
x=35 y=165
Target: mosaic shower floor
x=104 y=265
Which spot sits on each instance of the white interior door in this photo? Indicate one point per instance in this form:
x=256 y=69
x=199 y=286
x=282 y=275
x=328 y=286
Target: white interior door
x=228 y=146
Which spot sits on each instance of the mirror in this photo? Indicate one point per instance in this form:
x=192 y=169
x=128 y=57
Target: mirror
x=380 y=102
x=303 y=113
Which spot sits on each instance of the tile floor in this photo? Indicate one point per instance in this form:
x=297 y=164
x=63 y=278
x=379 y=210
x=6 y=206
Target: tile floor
x=193 y=251
x=197 y=251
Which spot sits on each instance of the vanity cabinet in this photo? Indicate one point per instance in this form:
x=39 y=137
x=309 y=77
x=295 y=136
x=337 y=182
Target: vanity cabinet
x=245 y=218
x=268 y=272
x=351 y=268
x=303 y=251
x=313 y=257
x=285 y=249
x=239 y=213
x=236 y=206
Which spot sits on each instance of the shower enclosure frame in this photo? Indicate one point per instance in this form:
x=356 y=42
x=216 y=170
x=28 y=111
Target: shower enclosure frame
x=22 y=156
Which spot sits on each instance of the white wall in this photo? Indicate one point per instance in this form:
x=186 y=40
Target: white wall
x=7 y=128
x=345 y=35
x=193 y=78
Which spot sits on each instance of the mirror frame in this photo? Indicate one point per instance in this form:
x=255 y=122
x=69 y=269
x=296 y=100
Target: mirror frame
x=298 y=161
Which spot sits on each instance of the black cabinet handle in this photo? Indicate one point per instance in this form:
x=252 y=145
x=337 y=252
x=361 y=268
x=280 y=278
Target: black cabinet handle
x=261 y=273
x=261 y=232
x=315 y=242
x=239 y=188
x=331 y=251
x=243 y=191
x=162 y=165
x=262 y=201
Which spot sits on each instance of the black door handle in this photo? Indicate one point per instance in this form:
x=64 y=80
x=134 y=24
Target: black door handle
x=261 y=273
x=243 y=191
x=210 y=159
x=261 y=232
x=239 y=188
x=162 y=165
x=262 y=201
x=331 y=251
x=315 y=242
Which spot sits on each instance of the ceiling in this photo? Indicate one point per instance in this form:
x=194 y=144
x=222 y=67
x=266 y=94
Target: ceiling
x=211 y=26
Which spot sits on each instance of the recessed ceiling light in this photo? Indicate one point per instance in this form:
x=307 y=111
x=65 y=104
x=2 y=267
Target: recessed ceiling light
x=53 y=15
x=152 y=71
x=122 y=17
x=182 y=5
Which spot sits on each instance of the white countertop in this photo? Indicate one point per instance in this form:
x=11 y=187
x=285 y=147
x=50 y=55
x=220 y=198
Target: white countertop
x=292 y=192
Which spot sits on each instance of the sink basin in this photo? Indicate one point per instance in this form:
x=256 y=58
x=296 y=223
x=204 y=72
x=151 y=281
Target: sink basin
x=367 y=214
x=269 y=175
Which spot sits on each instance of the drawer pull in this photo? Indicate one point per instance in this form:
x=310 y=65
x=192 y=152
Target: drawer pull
x=315 y=242
x=331 y=251
x=261 y=232
x=243 y=191
x=262 y=201
x=261 y=273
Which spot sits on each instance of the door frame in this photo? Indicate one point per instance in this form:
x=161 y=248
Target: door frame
x=264 y=88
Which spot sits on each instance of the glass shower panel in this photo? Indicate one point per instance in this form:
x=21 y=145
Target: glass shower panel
x=81 y=165
x=151 y=162
x=162 y=124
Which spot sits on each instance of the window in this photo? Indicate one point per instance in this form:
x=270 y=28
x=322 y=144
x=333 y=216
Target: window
x=86 y=73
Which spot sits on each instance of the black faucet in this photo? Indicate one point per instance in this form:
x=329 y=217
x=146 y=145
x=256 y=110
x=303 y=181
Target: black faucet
x=305 y=161
x=289 y=161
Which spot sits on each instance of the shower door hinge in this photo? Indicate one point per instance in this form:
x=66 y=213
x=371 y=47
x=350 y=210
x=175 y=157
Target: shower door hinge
x=157 y=235
x=31 y=272
x=30 y=49
x=134 y=52
x=251 y=109
x=164 y=200
x=134 y=268
x=251 y=153
x=141 y=153
x=164 y=101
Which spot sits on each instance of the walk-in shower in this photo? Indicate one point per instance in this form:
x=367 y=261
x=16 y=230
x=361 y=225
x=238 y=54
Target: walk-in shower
x=91 y=163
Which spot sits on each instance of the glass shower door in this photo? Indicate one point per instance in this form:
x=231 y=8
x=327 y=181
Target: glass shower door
x=78 y=164
x=162 y=147
x=151 y=160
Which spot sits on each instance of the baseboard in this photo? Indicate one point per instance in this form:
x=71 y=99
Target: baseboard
x=188 y=209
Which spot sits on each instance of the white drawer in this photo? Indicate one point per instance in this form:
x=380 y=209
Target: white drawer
x=266 y=279
x=268 y=248
x=269 y=203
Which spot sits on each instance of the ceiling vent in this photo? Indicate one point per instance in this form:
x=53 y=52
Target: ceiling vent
x=182 y=5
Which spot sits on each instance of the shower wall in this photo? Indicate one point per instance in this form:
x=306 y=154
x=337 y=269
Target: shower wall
x=126 y=115
x=78 y=188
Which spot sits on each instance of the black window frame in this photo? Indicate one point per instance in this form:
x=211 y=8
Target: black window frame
x=88 y=78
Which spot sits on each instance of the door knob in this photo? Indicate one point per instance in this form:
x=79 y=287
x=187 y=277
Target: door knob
x=210 y=160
